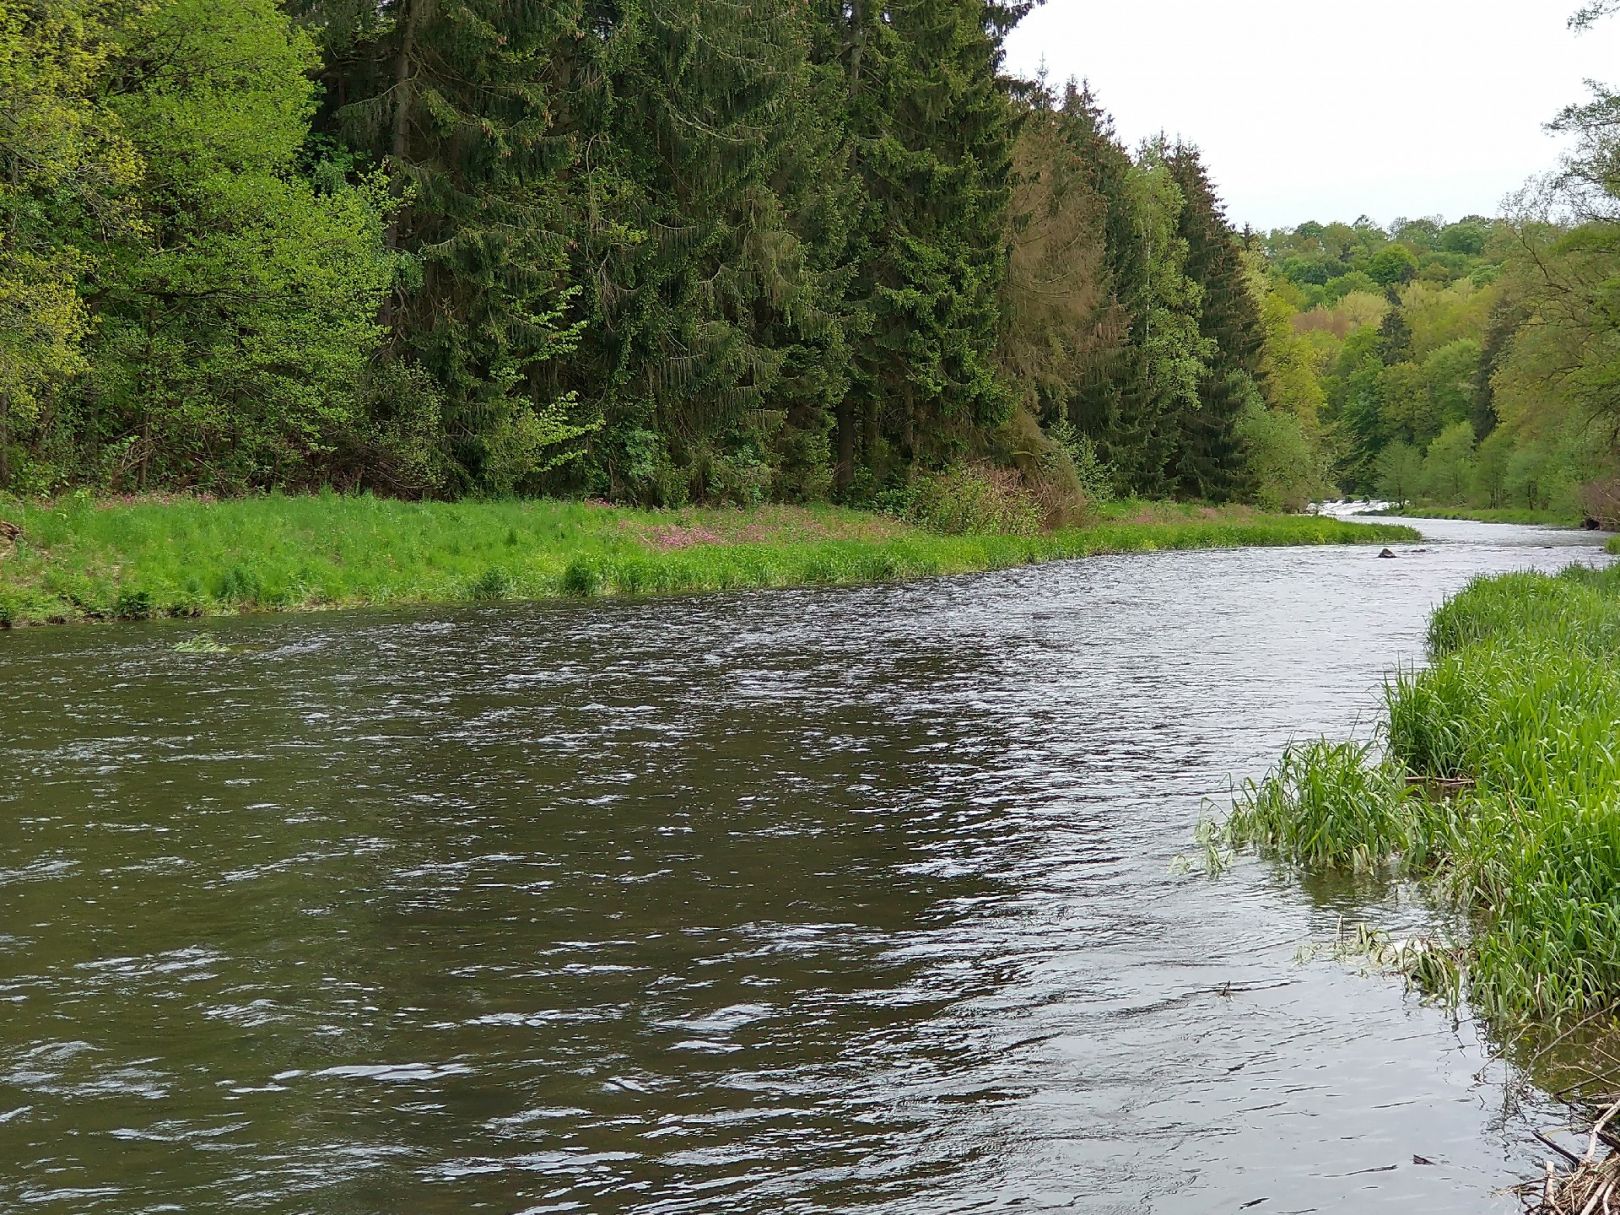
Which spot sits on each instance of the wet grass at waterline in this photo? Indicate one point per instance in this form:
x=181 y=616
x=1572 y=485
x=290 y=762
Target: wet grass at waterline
x=80 y=559
x=1497 y=786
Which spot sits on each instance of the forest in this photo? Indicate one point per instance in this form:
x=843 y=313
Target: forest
x=728 y=252
x=1462 y=364
x=655 y=252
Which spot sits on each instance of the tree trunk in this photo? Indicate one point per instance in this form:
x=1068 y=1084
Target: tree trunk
x=908 y=427
x=399 y=144
x=5 y=440
x=844 y=468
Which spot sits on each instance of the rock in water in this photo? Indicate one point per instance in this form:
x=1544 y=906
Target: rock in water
x=1387 y=553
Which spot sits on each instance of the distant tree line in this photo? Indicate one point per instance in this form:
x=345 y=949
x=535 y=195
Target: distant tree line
x=1474 y=363
x=654 y=250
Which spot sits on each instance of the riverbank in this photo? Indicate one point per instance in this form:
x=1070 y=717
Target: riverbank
x=1505 y=514
x=1496 y=791
x=79 y=559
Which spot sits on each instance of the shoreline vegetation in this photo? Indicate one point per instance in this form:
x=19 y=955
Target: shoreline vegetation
x=1527 y=516
x=1492 y=785
x=82 y=559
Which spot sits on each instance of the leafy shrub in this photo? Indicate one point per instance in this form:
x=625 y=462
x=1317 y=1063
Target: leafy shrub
x=582 y=577
x=492 y=585
x=133 y=605
x=1285 y=467
x=975 y=500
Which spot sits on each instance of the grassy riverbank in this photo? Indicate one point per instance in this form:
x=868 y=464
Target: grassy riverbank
x=1484 y=514
x=1517 y=824
x=79 y=559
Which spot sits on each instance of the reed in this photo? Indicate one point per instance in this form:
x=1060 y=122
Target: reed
x=1518 y=720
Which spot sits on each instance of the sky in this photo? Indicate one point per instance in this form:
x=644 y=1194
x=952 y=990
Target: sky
x=1313 y=110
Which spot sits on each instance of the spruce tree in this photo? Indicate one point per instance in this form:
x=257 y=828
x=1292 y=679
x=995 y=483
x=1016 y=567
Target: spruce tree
x=1119 y=404
x=1210 y=461
x=716 y=344
x=932 y=129
x=455 y=99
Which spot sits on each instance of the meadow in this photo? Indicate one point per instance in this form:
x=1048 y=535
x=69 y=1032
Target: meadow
x=82 y=558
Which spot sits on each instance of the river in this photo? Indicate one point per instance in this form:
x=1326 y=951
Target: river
x=832 y=901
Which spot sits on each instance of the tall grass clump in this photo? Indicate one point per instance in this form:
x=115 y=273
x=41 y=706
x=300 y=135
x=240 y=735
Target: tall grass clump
x=1329 y=805
x=974 y=500
x=1518 y=722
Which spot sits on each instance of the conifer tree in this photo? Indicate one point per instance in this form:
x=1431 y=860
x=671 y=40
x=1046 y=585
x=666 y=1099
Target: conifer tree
x=932 y=129
x=716 y=343
x=1058 y=328
x=454 y=98
x=1123 y=404
x=1210 y=462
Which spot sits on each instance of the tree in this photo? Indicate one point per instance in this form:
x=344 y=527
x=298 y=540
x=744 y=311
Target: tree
x=238 y=315
x=932 y=129
x=1400 y=472
x=717 y=338
x=1491 y=468
x=1059 y=325
x=65 y=174
x=1448 y=466
x=1392 y=265
x=1169 y=353
x=454 y=98
x=1288 y=365
x=1210 y=462
x=1282 y=462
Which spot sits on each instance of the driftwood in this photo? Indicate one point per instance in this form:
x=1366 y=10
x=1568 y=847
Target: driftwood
x=1441 y=786
x=1590 y=1185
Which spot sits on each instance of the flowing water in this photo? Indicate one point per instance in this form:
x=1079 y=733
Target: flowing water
x=852 y=901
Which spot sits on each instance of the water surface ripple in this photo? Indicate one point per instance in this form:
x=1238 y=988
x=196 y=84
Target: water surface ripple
x=855 y=901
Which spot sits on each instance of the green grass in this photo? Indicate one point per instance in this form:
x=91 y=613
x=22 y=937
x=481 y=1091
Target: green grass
x=1528 y=516
x=1329 y=806
x=1523 y=699
x=79 y=559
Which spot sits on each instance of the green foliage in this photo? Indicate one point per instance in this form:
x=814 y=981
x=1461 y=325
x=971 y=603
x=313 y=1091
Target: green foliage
x=1331 y=806
x=1210 y=463
x=1400 y=473
x=1281 y=459
x=974 y=501
x=1517 y=711
x=440 y=248
x=232 y=338
x=1392 y=265
x=187 y=557
x=1449 y=466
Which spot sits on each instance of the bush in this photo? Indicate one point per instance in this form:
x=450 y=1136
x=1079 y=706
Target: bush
x=492 y=585
x=1286 y=468
x=1054 y=465
x=975 y=500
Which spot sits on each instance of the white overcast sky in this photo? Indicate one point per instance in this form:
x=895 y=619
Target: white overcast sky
x=1310 y=109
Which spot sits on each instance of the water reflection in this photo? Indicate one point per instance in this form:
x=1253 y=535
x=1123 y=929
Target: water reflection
x=852 y=901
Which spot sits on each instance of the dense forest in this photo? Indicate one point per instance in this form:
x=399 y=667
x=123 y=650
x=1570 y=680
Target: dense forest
x=653 y=250
x=1461 y=364
x=663 y=251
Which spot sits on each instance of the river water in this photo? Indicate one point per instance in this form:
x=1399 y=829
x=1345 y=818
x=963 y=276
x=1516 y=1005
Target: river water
x=850 y=901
